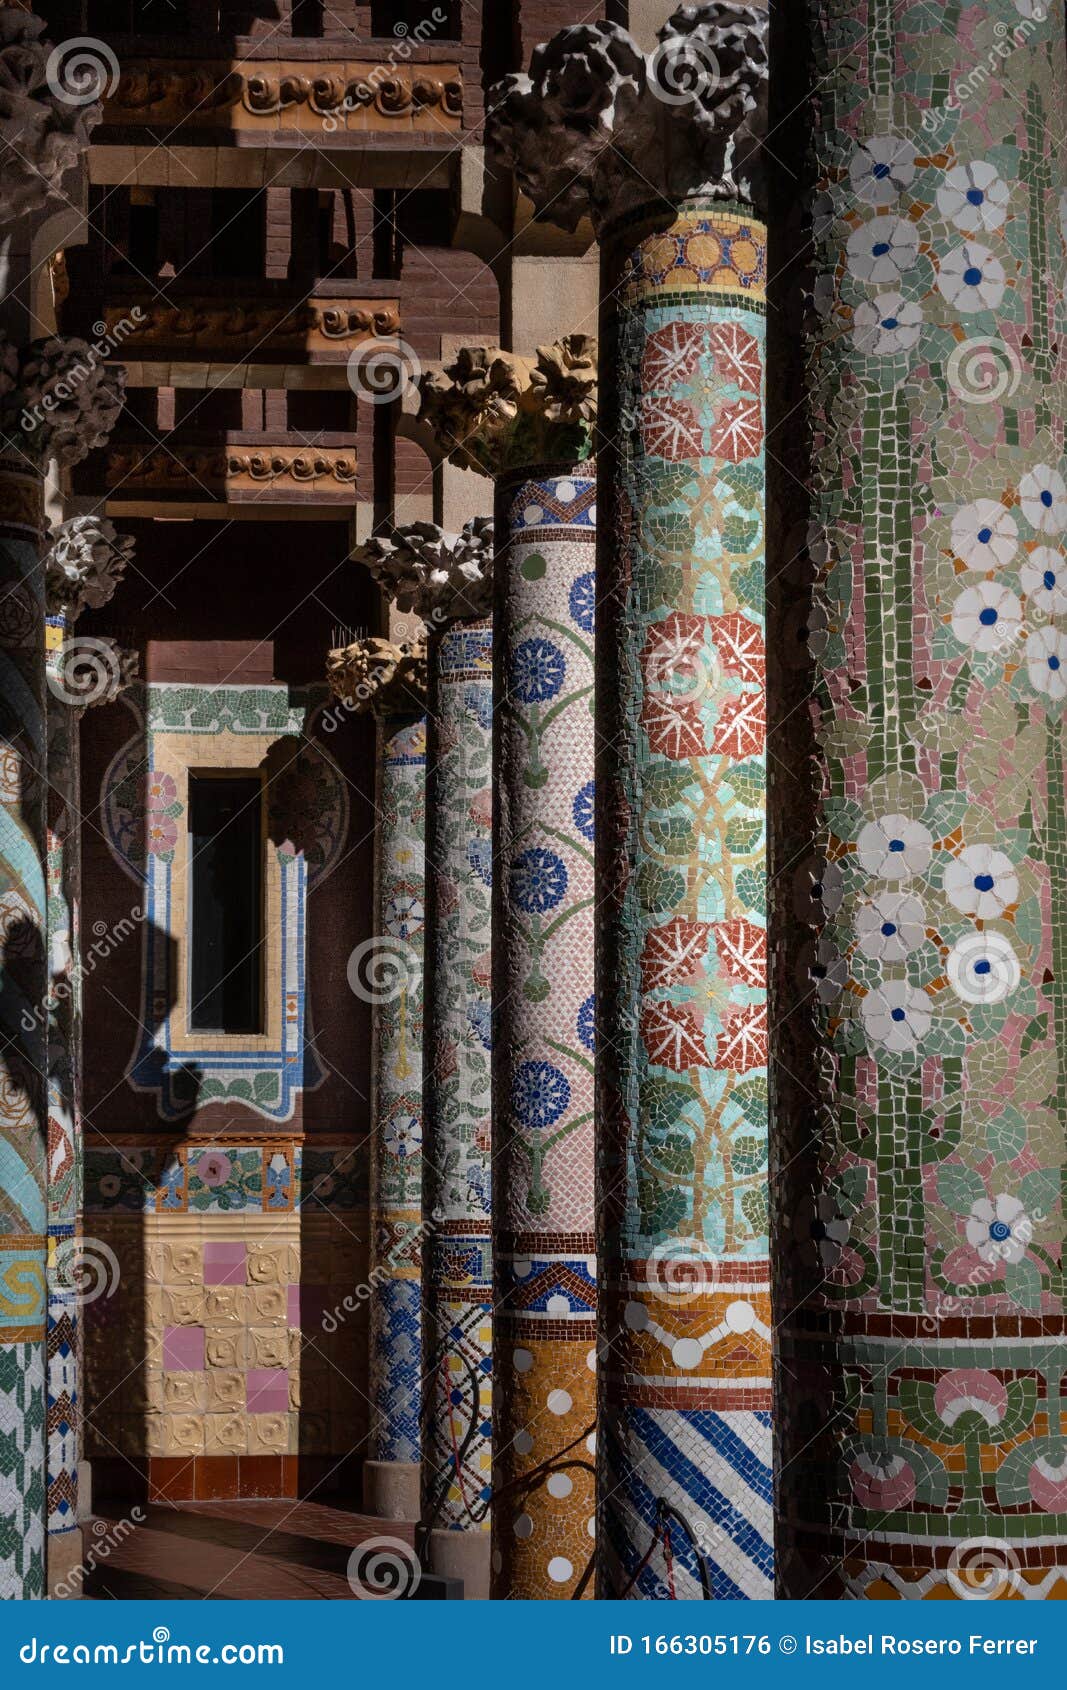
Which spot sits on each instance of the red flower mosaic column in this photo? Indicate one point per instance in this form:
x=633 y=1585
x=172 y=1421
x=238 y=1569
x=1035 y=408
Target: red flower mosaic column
x=662 y=151
x=685 y=1369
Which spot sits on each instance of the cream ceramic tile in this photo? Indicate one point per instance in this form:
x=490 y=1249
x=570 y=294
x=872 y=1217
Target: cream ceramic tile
x=225 y=1347
x=224 y=1390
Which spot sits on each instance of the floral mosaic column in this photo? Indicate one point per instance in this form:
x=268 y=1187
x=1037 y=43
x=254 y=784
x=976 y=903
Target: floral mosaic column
x=83 y=567
x=391 y=681
x=685 y=1393
x=923 y=1274
x=447 y=580
x=62 y=420
x=528 y=422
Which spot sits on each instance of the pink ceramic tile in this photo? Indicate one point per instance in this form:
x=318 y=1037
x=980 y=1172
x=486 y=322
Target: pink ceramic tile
x=183 y=1349
x=268 y=1390
x=224 y=1264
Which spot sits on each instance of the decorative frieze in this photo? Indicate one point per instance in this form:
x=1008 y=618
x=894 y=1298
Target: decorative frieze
x=217 y=472
x=320 y=96
x=266 y=327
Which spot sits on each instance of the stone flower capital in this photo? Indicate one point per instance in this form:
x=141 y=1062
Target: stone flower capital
x=492 y=411
x=599 y=128
x=441 y=577
x=57 y=397
x=374 y=674
x=45 y=119
x=85 y=563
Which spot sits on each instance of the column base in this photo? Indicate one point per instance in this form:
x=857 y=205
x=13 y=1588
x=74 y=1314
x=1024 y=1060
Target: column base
x=391 y=1489
x=63 y=1558
x=462 y=1555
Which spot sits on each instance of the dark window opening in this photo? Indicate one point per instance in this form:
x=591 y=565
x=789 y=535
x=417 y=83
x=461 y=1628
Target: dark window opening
x=225 y=826
x=138 y=17
x=435 y=20
x=237 y=246
x=307 y=17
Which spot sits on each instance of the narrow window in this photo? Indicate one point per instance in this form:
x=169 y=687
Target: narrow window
x=225 y=820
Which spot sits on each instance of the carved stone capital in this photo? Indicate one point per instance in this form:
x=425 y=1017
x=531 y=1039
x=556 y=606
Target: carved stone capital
x=47 y=110
x=85 y=563
x=494 y=411
x=599 y=128
x=57 y=398
x=373 y=674
x=441 y=577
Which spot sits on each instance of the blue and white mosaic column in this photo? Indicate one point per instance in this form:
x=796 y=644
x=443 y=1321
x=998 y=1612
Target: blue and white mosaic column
x=446 y=579
x=537 y=446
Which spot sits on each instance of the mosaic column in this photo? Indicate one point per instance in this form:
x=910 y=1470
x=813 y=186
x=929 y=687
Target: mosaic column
x=685 y=1380
x=47 y=416
x=528 y=422
x=923 y=1092
x=83 y=567
x=447 y=580
x=391 y=681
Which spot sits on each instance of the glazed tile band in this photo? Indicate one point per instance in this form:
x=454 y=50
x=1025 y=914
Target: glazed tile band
x=922 y=1085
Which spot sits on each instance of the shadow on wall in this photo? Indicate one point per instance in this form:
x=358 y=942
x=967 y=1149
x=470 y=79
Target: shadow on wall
x=219 y=1328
